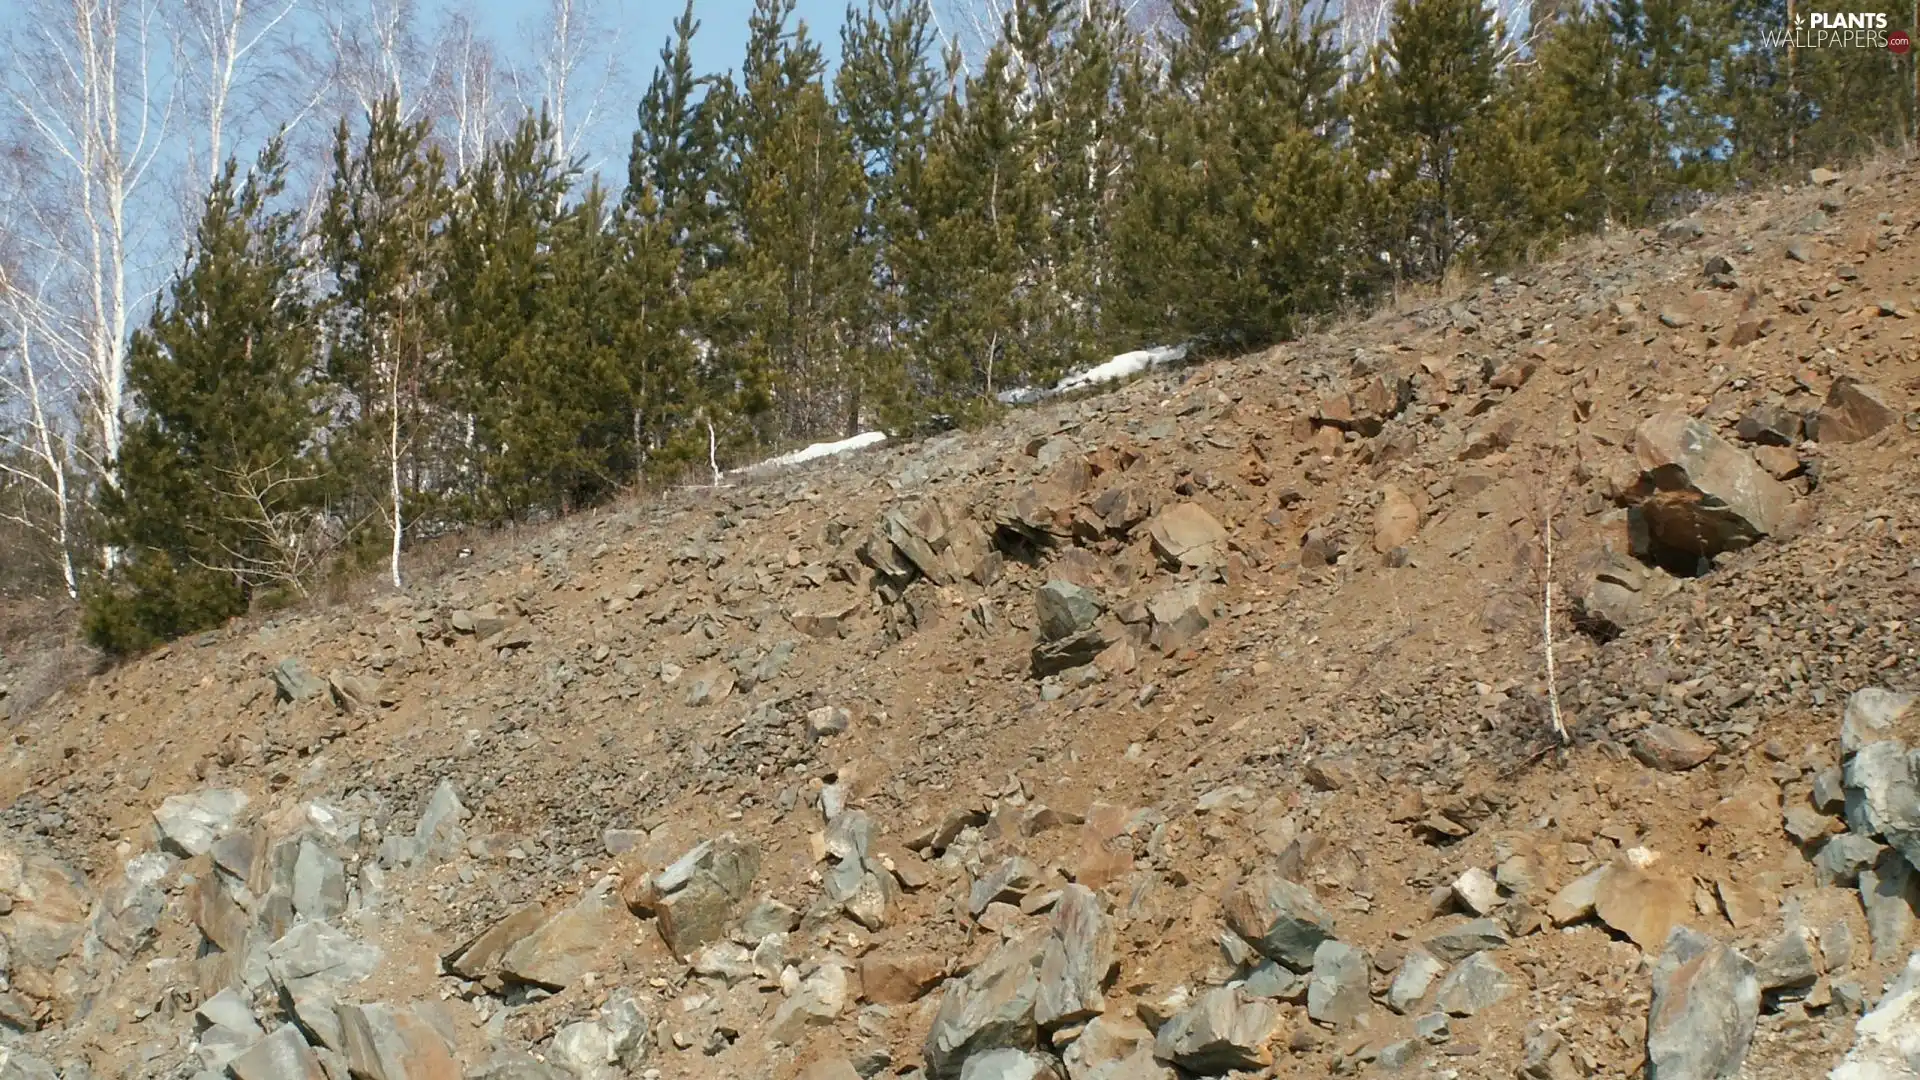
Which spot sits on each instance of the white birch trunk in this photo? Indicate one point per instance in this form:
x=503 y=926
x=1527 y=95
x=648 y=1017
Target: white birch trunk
x=393 y=472
x=43 y=445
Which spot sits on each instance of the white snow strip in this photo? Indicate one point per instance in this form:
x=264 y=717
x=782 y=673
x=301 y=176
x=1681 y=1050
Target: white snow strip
x=1124 y=366
x=818 y=450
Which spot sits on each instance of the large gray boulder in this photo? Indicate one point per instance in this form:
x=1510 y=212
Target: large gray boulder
x=1706 y=1001
x=1010 y=1065
x=1701 y=494
x=1890 y=894
x=189 y=824
x=1337 y=992
x=1114 y=1048
x=563 y=949
x=1883 y=796
x=1076 y=961
x=283 y=1055
x=1065 y=609
x=1220 y=1032
x=1876 y=714
x=1280 y=918
x=990 y=1009
x=387 y=1042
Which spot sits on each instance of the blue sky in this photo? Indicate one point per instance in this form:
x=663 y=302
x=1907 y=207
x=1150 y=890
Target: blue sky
x=645 y=25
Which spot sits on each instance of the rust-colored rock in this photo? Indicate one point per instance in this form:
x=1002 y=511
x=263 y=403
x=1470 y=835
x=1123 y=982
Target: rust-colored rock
x=1700 y=494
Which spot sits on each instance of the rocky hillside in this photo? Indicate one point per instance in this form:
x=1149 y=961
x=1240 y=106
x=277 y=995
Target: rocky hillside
x=1201 y=728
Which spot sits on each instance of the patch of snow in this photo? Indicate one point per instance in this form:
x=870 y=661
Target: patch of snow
x=1022 y=395
x=818 y=450
x=1124 y=366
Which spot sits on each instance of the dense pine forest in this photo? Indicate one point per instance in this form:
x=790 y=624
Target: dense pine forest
x=887 y=236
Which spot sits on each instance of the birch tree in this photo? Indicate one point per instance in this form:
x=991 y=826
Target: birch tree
x=576 y=70
x=374 y=52
x=468 y=91
x=87 y=112
x=36 y=442
x=241 y=65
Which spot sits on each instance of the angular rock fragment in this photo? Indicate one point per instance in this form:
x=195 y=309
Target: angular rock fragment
x=283 y=1055
x=898 y=979
x=1634 y=899
x=1337 y=991
x=1706 y=1001
x=1883 y=796
x=1854 y=411
x=1065 y=609
x=1455 y=943
x=1476 y=983
x=990 y=1009
x=386 y=1042
x=1077 y=961
x=1177 y=615
x=1219 y=1032
x=1114 y=1048
x=1415 y=976
x=562 y=949
x=480 y=956
x=1700 y=494
x=1886 y=1041
x=1890 y=893
x=1671 y=749
x=1280 y=918
x=1875 y=714
x=293 y=682
x=1010 y=1065
x=1185 y=535
x=189 y=824
x=694 y=898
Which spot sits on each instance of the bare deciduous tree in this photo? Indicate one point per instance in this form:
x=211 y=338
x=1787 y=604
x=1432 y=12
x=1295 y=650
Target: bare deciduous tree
x=87 y=112
x=36 y=447
x=576 y=69
x=375 y=51
x=468 y=90
x=280 y=547
x=229 y=47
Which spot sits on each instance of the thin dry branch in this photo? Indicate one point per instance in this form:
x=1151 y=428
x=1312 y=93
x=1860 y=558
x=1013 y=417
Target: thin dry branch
x=1546 y=634
x=279 y=547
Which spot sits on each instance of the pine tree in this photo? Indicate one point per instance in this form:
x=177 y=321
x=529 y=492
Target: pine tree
x=1579 y=93
x=1791 y=108
x=523 y=370
x=221 y=475
x=653 y=323
x=674 y=234
x=379 y=237
x=675 y=154
x=1240 y=213
x=1421 y=110
x=1079 y=126
x=792 y=284
x=977 y=215
x=887 y=94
